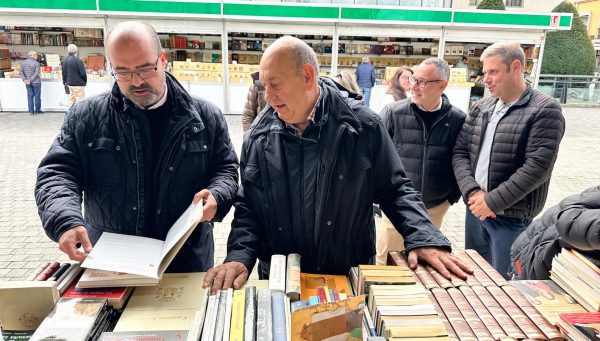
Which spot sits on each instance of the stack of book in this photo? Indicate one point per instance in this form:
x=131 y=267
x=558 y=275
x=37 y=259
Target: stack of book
x=577 y=276
x=484 y=306
x=62 y=274
x=580 y=326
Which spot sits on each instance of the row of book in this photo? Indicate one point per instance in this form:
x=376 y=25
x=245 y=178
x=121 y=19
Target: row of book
x=61 y=39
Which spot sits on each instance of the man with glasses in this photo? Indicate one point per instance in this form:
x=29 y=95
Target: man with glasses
x=504 y=155
x=137 y=156
x=424 y=129
x=312 y=165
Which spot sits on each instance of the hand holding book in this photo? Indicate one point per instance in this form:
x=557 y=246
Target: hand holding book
x=209 y=204
x=70 y=241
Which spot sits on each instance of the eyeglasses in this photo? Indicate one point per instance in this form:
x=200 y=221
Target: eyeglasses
x=145 y=73
x=422 y=82
x=405 y=78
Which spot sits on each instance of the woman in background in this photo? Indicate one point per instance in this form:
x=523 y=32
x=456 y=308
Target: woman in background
x=398 y=86
x=346 y=79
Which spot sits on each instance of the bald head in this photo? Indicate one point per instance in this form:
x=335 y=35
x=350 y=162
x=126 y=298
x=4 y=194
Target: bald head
x=131 y=30
x=297 y=51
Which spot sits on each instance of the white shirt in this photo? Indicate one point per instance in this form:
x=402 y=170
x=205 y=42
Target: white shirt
x=483 y=162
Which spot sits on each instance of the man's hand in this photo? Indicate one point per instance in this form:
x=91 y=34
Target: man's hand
x=226 y=275
x=27 y=82
x=442 y=261
x=210 y=204
x=479 y=207
x=69 y=240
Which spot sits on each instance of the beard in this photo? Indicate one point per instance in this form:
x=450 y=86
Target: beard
x=148 y=99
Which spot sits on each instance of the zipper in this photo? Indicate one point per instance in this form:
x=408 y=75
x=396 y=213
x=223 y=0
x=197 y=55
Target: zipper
x=137 y=172
x=426 y=150
x=302 y=189
x=492 y=147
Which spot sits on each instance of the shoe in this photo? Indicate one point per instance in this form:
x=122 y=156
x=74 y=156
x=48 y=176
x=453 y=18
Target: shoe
x=31 y=113
x=40 y=112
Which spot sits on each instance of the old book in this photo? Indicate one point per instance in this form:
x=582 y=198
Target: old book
x=195 y=330
x=443 y=317
x=116 y=296
x=171 y=305
x=24 y=304
x=37 y=271
x=228 y=308
x=47 y=272
x=487 y=268
x=221 y=313
x=572 y=274
x=250 y=314
x=456 y=319
x=478 y=277
x=72 y=319
x=212 y=306
x=279 y=319
x=397 y=258
x=516 y=314
x=92 y=278
x=264 y=317
x=162 y=335
x=149 y=258
x=236 y=332
x=61 y=269
x=581 y=326
x=548 y=298
x=482 y=313
x=292 y=280
x=508 y=325
x=442 y=281
x=277 y=273
x=16 y=335
x=382 y=274
x=310 y=282
x=477 y=326
x=425 y=277
x=535 y=316
x=69 y=278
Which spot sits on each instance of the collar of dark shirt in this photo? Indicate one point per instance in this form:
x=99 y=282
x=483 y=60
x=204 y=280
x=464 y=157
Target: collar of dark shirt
x=311 y=117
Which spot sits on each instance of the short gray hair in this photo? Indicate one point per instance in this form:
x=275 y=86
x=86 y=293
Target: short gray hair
x=301 y=53
x=128 y=25
x=72 y=48
x=31 y=53
x=442 y=68
x=507 y=51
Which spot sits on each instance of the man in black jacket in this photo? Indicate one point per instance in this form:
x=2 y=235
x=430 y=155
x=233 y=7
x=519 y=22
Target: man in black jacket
x=504 y=156
x=424 y=129
x=74 y=75
x=140 y=153
x=312 y=166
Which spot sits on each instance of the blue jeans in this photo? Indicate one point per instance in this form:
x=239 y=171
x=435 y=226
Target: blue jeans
x=366 y=92
x=492 y=238
x=34 y=92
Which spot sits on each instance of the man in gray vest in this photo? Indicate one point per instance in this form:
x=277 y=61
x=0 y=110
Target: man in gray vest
x=30 y=74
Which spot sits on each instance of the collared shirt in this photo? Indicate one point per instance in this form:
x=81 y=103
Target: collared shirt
x=483 y=162
x=311 y=117
x=439 y=106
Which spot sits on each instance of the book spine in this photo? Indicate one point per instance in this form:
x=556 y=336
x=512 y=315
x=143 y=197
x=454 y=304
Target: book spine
x=396 y=258
x=487 y=268
x=441 y=280
x=237 y=316
x=65 y=273
x=264 y=317
x=220 y=325
x=38 y=271
x=278 y=309
x=477 y=326
x=540 y=321
x=443 y=317
x=321 y=294
x=425 y=277
x=277 y=273
x=481 y=311
x=58 y=273
x=530 y=330
x=70 y=279
x=208 y=318
x=228 y=308
x=507 y=324
x=456 y=319
x=479 y=277
x=292 y=283
x=250 y=314
x=48 y=271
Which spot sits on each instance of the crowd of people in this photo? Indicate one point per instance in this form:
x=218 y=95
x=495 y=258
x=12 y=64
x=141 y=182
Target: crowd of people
x=313 y=162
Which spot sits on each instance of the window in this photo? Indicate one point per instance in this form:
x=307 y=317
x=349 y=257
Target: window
x=514 y=3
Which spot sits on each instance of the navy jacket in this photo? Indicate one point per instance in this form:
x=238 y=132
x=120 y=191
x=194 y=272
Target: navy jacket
x=99 y=153
x=365 y=75
x=357 y=166
x=73 y=71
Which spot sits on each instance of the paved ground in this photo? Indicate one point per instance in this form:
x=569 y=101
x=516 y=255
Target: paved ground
x=25 y=139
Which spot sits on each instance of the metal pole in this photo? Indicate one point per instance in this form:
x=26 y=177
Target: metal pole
x=538 y=68
x=334 y=51
x=442 y=44
x=225 y=59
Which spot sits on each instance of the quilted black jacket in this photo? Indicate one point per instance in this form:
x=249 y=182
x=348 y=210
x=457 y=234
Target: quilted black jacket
x=574 y=223
x=99 y=158
x=357 y=165
x=524 y=150
x=426 y=156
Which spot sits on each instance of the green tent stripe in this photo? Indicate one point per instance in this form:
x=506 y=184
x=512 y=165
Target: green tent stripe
x=396 y=15
x=50 y=4
x=502 y=19
x=257 y=10
x=161 y=6
x=565 y=21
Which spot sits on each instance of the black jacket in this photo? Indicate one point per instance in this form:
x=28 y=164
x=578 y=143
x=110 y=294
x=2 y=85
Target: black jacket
x=426 y=155
x=73 y=71
x=357 y=165
x=100 y=153
x=574 y=223
x=524 y=150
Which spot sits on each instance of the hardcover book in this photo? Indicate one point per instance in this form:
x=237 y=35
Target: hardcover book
x=25 y=304
x=158 y=335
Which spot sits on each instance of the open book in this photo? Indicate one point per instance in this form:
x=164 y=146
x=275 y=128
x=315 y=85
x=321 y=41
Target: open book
x=124 y=260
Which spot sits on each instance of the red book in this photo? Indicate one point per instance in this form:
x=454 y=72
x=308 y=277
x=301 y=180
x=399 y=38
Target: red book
x=321 y=294
x=116 y=296
x=581 y=326
x=48 y=271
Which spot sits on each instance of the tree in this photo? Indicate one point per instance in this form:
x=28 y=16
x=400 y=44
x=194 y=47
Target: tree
x=569 y=52
x=492 y=4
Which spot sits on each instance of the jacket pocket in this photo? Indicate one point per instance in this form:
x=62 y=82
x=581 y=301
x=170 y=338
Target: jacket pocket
x=253 y=174
x=105 y=161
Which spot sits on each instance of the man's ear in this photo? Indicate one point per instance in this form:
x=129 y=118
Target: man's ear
x=516 y=66
x=309 y=73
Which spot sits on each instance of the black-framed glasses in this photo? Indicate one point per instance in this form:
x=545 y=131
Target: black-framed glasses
x=145 y=73
x=422 y=82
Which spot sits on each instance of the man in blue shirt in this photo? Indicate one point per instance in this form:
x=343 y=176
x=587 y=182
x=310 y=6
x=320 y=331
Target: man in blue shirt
x=365 y=77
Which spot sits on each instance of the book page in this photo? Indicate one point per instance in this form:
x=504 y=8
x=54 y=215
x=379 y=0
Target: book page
x=179 y=232
x=125 y=253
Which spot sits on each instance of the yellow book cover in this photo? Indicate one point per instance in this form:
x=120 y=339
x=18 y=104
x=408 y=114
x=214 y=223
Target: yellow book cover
x=236 y=332
x=176 y=291
x=151 y=320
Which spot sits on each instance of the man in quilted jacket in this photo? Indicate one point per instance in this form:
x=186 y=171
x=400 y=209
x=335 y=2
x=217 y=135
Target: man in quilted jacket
x=137 y=156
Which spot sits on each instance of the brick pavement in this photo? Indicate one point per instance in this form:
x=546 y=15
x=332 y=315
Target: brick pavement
x=25 y=139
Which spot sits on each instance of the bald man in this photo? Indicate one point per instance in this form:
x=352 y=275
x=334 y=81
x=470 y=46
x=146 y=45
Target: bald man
x=311 y=167
x=137 y=156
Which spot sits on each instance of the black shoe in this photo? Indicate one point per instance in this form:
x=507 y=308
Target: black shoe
x=40 y=112
x=31 y=113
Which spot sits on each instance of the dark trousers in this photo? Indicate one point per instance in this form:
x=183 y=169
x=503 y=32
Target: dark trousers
x=492 y=238
x=34 y=97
